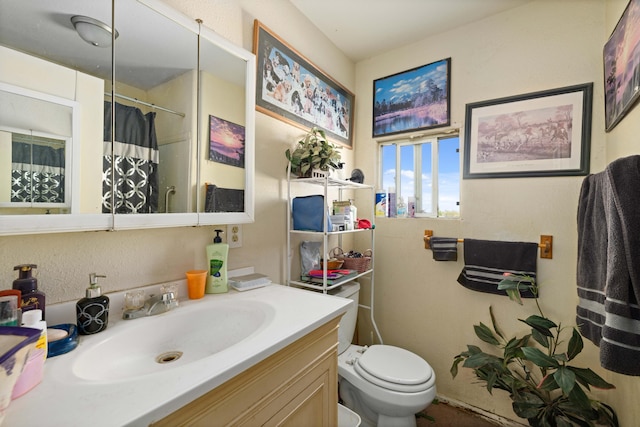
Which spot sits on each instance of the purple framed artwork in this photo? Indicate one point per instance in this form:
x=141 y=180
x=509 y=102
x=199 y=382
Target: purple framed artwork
x=544 y=133
x=226 y=142
x=412 y=100
x=621 y=56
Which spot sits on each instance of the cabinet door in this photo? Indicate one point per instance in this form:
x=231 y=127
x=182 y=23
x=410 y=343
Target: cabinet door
x=313 y=405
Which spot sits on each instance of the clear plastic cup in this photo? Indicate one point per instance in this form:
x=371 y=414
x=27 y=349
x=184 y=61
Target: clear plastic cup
x=196 y=281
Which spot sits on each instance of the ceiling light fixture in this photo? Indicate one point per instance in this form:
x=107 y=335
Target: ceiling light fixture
x=92 y=31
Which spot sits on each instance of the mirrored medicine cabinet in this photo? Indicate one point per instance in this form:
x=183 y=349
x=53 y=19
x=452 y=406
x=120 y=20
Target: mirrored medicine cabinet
x=163 y=138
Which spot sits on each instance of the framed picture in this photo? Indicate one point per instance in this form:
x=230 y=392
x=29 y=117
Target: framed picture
x=537 y=134
x=621 y=57
x=226 y=142
x=412 y=100
x=292 y=89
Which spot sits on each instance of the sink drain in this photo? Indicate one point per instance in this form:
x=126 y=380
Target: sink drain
x=168 y=357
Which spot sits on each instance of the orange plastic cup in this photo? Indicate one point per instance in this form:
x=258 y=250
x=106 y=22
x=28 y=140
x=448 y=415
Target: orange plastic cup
x=196 y=281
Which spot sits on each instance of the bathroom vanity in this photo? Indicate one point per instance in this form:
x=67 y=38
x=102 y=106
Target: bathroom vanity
x=260 y=357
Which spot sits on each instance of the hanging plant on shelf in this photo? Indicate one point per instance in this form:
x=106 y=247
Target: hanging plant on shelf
x=313 y=152
x=544 y=388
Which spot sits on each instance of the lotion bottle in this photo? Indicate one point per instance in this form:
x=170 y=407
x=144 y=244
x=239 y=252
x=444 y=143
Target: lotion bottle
x=92 y=311
x=217 y=253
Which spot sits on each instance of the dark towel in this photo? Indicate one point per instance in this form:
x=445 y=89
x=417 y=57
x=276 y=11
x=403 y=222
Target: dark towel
x=444 y=248
x=608 y=271
x=486 y=262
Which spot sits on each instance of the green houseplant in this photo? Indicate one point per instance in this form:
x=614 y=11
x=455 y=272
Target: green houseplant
x=544 y=388
x=311 y=152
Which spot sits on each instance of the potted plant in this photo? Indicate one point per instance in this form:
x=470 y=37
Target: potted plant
x=544 y=387
x=313 y=152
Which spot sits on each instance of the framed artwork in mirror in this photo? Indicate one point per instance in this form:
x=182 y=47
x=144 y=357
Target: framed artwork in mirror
x=544 y=133
x=291 y=88
x=621 y=56
x=413 y=100
x=226 y=142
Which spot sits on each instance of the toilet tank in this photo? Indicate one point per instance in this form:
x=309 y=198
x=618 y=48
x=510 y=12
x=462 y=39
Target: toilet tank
x=347 y=327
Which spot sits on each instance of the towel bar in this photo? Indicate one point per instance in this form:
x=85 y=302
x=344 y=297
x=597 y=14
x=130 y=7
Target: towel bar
x=545 y=245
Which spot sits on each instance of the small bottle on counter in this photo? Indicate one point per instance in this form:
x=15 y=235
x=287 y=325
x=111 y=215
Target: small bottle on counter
x=92 y=311
x=33 y=319
x=31 y=298
x=217 y=253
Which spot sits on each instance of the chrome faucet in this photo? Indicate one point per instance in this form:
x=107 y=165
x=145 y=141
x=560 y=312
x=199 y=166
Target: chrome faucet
x=156 y=304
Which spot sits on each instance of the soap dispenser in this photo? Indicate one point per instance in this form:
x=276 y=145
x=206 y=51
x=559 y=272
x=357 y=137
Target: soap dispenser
x=31 y=298
x=93 y=311
x=217 y=264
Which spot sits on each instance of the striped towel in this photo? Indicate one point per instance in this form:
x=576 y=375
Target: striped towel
x=486 y=262
x=444 y=248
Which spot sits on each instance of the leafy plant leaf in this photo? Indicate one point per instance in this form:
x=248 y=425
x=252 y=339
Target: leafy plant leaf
x=526 y=404
x=565 y=378
x=548 y=383
x=541 y=324
x=514 y=346
x=575 y=345
x=454 y=366
x=479 y=360
x=539 y=358
x=495 y=324
x=541 y=339
x=579 y=397
x=485 y=334
x=588 y=377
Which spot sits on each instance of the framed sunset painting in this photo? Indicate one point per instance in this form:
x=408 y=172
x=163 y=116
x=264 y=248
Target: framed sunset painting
x=226 y=142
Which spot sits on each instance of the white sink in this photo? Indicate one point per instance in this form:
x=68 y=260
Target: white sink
x=220 y=336
x=155 y=344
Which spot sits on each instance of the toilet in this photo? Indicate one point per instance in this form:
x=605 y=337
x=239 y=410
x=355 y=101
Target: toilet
x=385 y=385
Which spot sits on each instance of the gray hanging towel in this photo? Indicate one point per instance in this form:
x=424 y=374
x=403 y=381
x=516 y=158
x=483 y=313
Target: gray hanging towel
x=608 y=273
x=486 y=261
x=444 y=248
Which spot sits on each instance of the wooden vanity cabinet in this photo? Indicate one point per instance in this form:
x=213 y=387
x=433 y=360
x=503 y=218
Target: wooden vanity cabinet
x=297 y=386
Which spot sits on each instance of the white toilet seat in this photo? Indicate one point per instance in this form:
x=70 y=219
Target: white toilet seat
x=394 y=368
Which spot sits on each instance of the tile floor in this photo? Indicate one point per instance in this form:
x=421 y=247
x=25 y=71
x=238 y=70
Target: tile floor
x=449 y=416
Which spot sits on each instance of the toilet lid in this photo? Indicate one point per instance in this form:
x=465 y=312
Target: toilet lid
x=394 y=368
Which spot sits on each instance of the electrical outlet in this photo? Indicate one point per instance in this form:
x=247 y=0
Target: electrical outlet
x=234 y=236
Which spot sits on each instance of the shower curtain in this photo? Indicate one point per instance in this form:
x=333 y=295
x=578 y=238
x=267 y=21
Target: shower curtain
x=37 y=172
x=135 y=161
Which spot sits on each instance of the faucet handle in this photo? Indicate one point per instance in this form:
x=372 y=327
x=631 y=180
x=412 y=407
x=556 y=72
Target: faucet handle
x=168 y=296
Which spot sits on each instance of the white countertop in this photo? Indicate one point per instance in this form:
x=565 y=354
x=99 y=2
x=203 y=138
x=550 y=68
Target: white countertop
x=64 y=399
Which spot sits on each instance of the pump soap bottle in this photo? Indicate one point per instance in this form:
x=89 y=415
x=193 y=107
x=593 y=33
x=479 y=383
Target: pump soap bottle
x=217 y=258
x=93 y=311
x=31 y=298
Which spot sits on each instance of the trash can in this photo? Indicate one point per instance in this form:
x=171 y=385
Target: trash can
x=347 y=418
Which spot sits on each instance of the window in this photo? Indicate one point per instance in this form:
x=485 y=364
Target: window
x=426 y=174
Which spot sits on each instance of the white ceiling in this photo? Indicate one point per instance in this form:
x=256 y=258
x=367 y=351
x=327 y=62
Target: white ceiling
x=365 y=28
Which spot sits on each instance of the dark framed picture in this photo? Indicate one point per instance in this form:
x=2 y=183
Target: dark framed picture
x=621 y=56
x=412 y=100
x=292 y=89
x=544 y=133
x=226 y=142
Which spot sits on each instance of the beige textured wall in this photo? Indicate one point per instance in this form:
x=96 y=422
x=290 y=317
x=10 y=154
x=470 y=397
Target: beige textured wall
x=542 y=45
x=419 y=305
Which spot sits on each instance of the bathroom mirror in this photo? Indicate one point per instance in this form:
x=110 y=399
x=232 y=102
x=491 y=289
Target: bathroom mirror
x=156 y=77
x=227 y=122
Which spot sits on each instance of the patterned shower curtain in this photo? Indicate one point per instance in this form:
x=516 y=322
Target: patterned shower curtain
x=135 y=161
x=37 y=172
